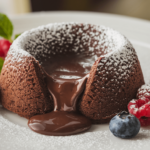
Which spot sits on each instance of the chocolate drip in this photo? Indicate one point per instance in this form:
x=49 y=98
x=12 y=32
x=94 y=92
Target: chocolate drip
x=65 y=92
x=64 y=120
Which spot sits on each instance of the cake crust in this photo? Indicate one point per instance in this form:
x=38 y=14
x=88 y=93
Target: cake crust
x=23 y=89
x=104 y=97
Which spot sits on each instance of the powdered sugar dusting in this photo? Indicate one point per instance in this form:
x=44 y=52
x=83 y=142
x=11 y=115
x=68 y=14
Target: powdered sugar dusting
x=55 y=38
x=98 y=138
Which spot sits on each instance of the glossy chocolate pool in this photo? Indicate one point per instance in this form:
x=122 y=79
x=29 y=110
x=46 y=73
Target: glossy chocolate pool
x=66 y=76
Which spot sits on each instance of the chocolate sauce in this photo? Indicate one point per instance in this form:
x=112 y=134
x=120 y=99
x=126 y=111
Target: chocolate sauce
x=66 y=77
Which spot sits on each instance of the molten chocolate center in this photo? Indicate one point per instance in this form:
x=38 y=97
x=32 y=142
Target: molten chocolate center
x=66 y=77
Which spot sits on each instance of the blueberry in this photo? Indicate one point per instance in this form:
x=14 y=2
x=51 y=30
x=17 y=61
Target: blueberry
x=124 y=125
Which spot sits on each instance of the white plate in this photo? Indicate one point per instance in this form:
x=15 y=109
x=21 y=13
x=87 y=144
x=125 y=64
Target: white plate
x=14 y=133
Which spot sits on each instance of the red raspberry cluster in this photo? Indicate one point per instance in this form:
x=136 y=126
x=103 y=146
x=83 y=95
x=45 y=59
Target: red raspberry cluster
x=141 y=106
x=4 y=47
x=144 y=91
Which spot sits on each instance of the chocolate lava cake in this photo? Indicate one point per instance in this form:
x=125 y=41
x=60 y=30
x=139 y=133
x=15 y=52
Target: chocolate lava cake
x=113 y=80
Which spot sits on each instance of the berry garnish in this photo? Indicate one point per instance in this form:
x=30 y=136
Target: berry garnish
x=6 y=32
x=2 y=54
x=141 y=109
x=145 y=121
x=4 y=47
x=124 y=125
x=144 y=91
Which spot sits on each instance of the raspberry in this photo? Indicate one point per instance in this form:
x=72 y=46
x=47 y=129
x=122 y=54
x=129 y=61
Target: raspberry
x=2 y=54
x=143 y=91
x=145 y=121
x=141 y=109
x=4 y=47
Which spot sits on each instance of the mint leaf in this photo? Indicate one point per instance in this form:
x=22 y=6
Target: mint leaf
x=17 y=35
x=6 y=27
x=1 y=63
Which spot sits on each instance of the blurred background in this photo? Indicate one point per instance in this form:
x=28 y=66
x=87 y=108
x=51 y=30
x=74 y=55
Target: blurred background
x=133 y=8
